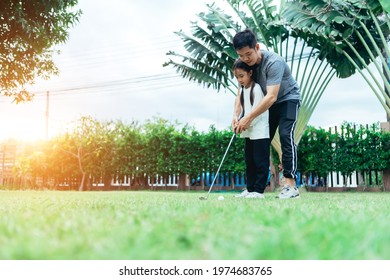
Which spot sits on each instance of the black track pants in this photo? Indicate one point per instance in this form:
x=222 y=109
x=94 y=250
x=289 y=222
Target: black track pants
x=257 y=153
x=284 y=115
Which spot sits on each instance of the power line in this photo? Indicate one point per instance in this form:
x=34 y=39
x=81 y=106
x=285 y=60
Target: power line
x=117 y=82
x=121 y=55
x=110 y=91
x=122 y=48
x=112 y=56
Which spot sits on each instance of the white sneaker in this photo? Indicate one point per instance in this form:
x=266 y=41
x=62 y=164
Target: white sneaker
x=244 y=193
x=288 y=192
x=254 y=195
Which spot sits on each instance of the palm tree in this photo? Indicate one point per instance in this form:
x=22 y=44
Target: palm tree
x=349 y=35
x=210 y=53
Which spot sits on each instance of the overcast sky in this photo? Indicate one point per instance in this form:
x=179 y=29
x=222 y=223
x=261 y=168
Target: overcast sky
x=111 y=68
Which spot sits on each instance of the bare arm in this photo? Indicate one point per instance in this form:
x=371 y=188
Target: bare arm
x=264 y=104
x=237 y=110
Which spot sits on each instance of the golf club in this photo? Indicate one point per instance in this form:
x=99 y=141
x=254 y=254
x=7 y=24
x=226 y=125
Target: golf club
x=216 y=174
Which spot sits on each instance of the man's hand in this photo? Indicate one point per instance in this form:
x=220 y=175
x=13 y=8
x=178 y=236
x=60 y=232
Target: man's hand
x=243 y=124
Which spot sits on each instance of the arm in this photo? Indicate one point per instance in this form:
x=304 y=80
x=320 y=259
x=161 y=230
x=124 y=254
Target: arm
x=237 y=110
x=264 y=104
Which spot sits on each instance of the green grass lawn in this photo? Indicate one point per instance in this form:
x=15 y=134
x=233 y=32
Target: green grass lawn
x=177 y=225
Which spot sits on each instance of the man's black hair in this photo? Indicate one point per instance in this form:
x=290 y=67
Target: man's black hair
x=244 y=39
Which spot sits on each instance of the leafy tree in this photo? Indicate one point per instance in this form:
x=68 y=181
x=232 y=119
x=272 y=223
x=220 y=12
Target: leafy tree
x=102 y=160
x=235 y=161
x=94 y=149
x=28 y=32
x=373 y=154
x=346 y=151
x=45 y=165
x=65 y=167
x=385 y=159
x=159 y=135
x=323 y=154
x=179 y=156
x=91 y=143
x=316 y=153
x=41 y=164
x=196 y=156
x=188 y=154
x=130 y=146
x=214 y=149
x=384 y=151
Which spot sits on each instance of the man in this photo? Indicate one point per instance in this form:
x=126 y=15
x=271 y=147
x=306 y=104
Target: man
x=282 y=100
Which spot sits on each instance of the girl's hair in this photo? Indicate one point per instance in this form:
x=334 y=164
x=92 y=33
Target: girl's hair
x=239 y=64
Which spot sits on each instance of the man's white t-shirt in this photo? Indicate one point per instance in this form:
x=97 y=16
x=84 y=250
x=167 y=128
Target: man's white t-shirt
x=259 y=128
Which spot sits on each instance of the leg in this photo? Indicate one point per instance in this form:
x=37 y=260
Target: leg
x=274 y=117
x=288 y=119
x=250 y=167
x=261 y=156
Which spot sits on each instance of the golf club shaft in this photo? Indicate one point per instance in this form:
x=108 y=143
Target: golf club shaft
x=223 y=158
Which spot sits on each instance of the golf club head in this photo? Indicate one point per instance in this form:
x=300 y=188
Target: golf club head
x=203 y=198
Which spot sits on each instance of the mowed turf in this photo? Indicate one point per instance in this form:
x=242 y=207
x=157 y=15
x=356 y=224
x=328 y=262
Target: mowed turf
x=177 y=225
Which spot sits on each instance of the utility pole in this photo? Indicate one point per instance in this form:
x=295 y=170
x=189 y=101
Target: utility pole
x=47 y=115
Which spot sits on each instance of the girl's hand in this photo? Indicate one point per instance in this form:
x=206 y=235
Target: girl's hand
x=234 y=124
x=243 y=124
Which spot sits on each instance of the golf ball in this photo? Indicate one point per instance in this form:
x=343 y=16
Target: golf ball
x=221 y=197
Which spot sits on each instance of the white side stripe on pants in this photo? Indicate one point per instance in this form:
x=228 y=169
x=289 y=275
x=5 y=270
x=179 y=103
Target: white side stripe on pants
x=293 y=147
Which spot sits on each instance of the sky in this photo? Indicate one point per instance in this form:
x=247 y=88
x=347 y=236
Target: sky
x=111 y=69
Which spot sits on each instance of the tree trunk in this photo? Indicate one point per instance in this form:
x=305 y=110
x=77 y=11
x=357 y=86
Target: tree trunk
x=232 y=182
x=107 y=182
x=81 y=187
x=182 y=181
x=88 y=183
x=386 y=180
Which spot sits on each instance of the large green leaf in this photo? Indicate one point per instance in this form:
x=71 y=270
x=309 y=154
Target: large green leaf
x=386 y=5
x=332 y=28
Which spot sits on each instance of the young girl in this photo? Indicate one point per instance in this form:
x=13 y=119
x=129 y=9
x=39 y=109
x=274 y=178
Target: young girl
x=257 y=142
